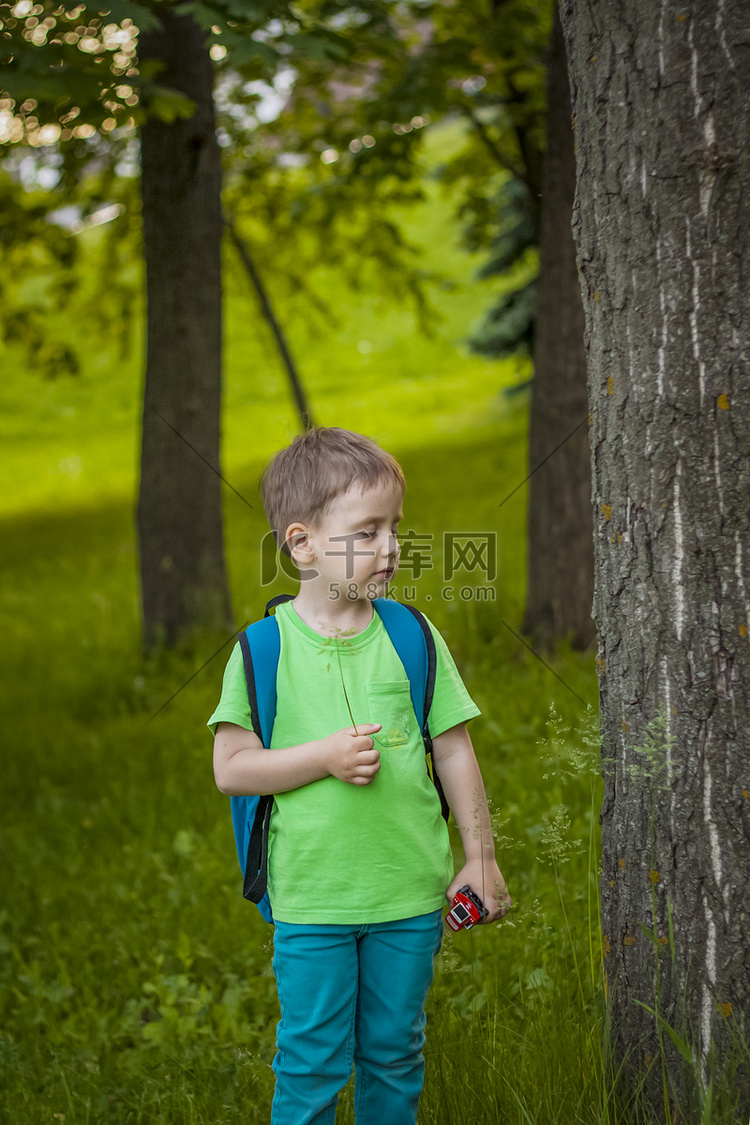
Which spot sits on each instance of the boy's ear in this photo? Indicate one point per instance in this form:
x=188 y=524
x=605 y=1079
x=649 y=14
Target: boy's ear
x=298 y=539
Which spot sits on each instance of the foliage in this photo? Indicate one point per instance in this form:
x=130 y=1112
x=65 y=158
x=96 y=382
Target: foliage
x=75 y=93
x=337 y=158
x=71 y=62
x=359 y=129
x=651 y=766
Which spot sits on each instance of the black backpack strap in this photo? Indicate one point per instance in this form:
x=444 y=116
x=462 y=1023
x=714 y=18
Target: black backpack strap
x=429 y=693
x=256 y=868
x=252 y=695
x=256 y=865
x=277 y=601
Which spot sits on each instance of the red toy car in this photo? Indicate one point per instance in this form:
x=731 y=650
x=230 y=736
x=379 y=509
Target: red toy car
x=466 y=911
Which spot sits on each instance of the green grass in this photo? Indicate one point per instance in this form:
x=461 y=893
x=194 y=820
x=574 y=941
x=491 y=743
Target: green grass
x=135 y=982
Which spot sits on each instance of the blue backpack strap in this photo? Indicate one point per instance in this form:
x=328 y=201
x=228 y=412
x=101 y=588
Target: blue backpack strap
x=260 y=646
x=412 y=639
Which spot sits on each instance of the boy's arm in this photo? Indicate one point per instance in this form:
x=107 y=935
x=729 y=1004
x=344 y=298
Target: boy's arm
x=457 y=766
x=243 y=767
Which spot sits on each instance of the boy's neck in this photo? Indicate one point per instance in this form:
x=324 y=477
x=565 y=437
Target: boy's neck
x=333 y=618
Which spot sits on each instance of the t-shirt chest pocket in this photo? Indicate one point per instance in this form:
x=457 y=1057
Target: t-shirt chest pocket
x=389 y=702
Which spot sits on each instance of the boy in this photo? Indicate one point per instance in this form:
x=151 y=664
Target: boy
x=359 y=856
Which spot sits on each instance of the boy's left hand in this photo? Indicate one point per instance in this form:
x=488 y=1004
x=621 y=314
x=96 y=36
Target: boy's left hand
x=486 y=880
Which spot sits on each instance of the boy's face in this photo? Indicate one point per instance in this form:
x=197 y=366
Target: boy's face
x=354 y=549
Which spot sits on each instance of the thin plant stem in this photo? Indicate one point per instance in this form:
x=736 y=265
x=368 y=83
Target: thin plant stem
x=346 y=697
x=567 y=928
x=588 y=900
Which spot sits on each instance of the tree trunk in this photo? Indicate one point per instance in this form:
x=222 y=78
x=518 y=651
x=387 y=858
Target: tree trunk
x=560 y=561
x=661 y=95
x=183 y=576
x=307 y=422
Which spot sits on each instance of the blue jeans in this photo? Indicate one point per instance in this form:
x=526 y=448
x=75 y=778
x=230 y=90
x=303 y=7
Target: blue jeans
x=352 y=994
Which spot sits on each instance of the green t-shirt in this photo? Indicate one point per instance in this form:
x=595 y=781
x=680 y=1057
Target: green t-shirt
x=353 y=853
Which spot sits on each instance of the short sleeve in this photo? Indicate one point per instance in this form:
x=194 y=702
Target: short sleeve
x=451 y=703
x=234 y=706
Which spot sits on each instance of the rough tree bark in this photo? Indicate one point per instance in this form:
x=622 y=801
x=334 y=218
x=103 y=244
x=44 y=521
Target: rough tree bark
x=183 y=576
x=560 y=561
x=661 y=96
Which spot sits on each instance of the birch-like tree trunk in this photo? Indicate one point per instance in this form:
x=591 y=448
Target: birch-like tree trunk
x=661 y=98
x=183 y=576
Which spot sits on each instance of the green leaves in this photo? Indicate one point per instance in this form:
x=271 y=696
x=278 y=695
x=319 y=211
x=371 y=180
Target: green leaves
x=242 y=12
x=60 y=59
x=251 y=31
x=143 y=15
x=357 y=86
x=168 y=105
x=320 y=46
x=651 y=766
x=244 y=50
x=51 y=72
x=681 y=1045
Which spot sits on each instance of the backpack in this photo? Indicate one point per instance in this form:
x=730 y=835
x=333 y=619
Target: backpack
x=260 y=644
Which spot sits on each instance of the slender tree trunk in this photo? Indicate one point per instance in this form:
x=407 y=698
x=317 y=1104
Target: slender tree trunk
x=661 y=95
x=298 y=391
x=183 y=577
x=560 y=560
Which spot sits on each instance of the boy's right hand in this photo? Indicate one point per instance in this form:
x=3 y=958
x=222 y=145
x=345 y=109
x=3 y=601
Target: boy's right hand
x=351 y=755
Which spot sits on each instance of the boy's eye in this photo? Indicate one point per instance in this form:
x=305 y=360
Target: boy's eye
x=372 y=534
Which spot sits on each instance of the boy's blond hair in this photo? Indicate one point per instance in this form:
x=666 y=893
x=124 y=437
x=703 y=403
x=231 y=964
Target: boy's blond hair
x=304 y=479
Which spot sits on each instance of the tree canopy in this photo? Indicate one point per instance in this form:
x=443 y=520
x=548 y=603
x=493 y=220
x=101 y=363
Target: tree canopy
x=355 y=90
